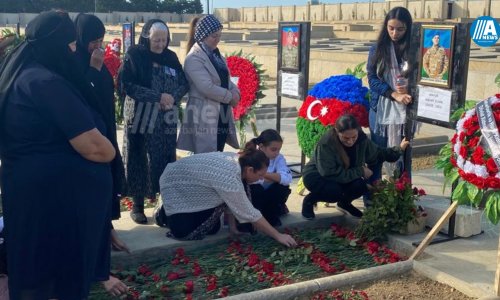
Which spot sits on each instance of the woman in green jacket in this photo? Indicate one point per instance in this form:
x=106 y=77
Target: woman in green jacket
x=340 y=165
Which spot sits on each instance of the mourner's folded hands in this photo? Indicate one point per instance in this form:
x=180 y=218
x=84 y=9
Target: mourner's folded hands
x=166 y=101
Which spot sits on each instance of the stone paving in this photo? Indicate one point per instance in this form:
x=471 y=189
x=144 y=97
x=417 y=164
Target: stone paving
x=466 y=264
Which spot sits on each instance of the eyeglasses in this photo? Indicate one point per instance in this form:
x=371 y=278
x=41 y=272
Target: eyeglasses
x=398 y=29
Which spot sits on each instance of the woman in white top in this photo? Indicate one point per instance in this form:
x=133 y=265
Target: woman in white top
x=196 y=190
x=270 y=194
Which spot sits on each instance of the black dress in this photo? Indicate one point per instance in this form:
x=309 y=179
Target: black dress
x=50 y=192
x=103 y=87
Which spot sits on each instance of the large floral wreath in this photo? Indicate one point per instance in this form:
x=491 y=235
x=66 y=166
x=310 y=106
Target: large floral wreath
x=326 y=101
x=468 y=162
x=248 y=74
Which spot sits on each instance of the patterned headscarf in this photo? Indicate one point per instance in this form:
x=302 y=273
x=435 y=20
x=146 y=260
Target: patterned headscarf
x=205 y=27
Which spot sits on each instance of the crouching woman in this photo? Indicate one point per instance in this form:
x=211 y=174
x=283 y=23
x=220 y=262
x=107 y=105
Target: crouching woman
x=196 y=190
x=341 y=163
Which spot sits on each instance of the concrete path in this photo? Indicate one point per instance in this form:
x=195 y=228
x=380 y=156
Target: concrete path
x=467 y=264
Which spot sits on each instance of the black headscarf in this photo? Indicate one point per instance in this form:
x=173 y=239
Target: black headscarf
x=47 y=39
x=137 y=66
x=88 y=28
x=167 y=57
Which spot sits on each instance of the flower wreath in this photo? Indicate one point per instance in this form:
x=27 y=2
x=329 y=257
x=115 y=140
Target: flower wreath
x=474 y=163
x=468 y=163
x=326 y=101
x=249 y=76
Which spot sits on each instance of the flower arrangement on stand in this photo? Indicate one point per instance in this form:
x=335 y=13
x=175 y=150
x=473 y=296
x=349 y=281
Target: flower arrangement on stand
x=394 y=209
x=248 y=76
x=113 y=61
x=326 y=101
x=468 y=163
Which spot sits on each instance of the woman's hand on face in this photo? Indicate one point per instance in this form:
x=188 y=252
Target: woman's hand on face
x=367 y=173
x=97 y=59
x=286 y=240
x=401 y=98
x=166 y=101
x=404 y=144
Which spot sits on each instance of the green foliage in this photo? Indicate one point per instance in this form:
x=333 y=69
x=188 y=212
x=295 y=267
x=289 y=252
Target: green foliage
x=393 y=208
x=358 y=72
x=309 y=134
x=497 y=80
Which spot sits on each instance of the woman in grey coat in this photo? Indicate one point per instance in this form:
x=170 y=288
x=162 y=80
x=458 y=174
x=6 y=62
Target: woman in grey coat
x=208 y=119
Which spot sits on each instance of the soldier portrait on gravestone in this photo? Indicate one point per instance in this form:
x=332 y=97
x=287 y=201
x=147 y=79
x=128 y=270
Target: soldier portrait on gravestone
x=436 y=50
x=290 y=48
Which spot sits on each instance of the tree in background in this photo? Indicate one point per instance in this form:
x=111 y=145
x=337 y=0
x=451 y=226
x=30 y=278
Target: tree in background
x=113 y=5
x=181 y=6
x=144 y=5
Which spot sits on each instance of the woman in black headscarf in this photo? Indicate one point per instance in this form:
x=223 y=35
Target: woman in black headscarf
x=154 y=82
x=89 y=38
x=55 y=166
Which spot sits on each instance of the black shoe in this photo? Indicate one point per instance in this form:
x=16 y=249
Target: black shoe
x=308 y=207
x=349 y=208
x=139 y=217
x=159 y=216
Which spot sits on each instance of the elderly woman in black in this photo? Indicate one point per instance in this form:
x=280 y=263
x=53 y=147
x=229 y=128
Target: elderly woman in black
x=154 y=82
x=55 y=166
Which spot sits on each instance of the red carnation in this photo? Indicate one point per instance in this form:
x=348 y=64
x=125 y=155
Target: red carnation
x=253 y=259
x=473 y=142
x=189 y=287
x=491 y=166
x=171 y=276
x=477 y=156
x=224 y=292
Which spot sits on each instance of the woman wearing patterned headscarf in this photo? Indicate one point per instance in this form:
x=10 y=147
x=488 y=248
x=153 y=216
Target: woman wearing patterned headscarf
x=154 y=82
x=208 y=120
x=55 y=169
